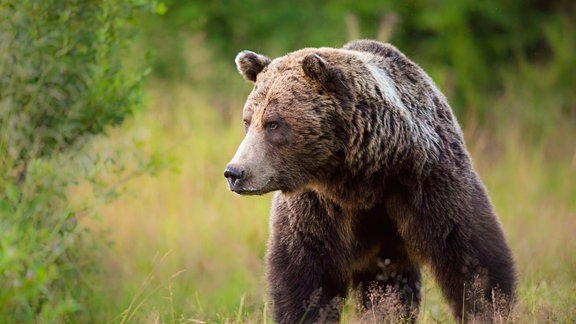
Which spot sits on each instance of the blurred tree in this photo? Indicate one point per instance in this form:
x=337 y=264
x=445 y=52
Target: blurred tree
x=61 y=73
x=62 y=80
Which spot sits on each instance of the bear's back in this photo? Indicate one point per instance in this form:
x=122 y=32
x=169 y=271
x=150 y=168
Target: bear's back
x=373 y=47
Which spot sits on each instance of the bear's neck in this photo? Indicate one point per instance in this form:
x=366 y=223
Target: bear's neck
x=354 y=191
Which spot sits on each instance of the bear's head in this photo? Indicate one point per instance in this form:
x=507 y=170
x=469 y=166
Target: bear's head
x=294 y=120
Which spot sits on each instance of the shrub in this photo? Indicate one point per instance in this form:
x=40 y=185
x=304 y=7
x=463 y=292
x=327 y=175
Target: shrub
x=62 y=80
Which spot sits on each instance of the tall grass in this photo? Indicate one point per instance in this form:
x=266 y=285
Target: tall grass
x=187 y=250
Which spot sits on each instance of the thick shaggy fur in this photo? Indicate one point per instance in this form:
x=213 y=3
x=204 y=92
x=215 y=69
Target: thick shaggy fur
x=374 y=181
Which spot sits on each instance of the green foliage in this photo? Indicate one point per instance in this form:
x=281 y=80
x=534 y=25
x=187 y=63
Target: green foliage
x=44 y=252
x=62 y=80
x=61 y=73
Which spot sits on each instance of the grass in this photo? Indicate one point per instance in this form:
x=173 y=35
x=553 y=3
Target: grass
x=187 y=250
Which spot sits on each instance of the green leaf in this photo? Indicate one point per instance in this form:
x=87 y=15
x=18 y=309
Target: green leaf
x=161 y=8
x=12 y=193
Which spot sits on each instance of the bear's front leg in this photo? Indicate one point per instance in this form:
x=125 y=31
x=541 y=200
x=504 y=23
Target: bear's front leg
x=307 y=259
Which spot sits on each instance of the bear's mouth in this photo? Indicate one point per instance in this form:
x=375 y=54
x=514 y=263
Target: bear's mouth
x=251 y=191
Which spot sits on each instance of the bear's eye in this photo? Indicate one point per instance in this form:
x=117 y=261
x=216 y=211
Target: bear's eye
x=271 y=125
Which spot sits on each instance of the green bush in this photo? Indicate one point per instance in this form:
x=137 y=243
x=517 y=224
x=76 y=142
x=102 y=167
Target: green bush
x=61 y=74
x=62 y=81
x=43 y=252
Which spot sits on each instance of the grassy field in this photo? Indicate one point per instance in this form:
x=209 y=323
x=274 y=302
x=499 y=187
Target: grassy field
x=185 y=249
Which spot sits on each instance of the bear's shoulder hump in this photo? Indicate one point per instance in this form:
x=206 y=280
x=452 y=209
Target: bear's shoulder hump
x=373 y=47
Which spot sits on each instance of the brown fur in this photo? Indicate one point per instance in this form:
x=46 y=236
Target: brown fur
x=374 y=179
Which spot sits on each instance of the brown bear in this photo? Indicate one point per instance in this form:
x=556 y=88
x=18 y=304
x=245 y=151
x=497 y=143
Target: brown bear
x=373 y=180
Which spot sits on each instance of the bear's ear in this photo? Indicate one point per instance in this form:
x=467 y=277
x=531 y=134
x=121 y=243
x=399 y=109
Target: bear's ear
x=319 y=70
x=250 y=64
x=316 y=68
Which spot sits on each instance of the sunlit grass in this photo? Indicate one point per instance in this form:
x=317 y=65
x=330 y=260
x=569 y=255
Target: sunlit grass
x=534 y=198
x=187 y=250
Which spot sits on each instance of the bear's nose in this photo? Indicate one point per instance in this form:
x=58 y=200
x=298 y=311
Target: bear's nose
x=233 y=174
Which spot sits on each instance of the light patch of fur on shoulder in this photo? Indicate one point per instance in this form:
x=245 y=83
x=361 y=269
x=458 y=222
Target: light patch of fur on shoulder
x=422 y=132
x=387 y=87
